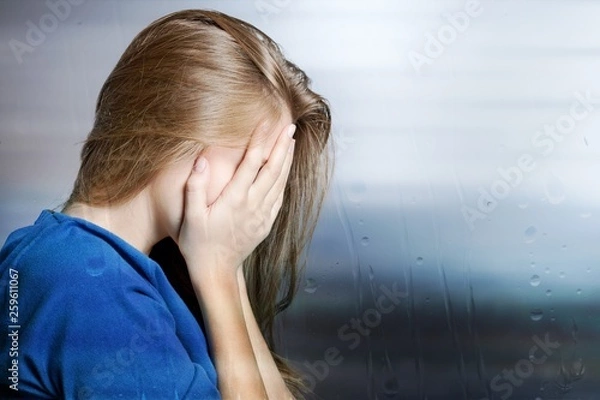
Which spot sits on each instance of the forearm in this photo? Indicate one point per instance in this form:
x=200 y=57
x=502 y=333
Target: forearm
x=272 y=379
x=237 y=368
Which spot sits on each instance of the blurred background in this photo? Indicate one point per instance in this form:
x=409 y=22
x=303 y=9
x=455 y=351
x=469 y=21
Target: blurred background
x=457 y=256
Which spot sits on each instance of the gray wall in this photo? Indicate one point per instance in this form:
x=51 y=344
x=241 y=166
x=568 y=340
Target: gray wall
x=466 y=181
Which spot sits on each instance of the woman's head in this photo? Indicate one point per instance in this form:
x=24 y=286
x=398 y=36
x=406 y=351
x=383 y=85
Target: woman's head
x=166 y=189
x=200 y=81
x=190 y=80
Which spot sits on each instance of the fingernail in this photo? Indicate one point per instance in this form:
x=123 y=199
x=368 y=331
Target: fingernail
x=291 y=130
x=291 y=148
x=200 y=164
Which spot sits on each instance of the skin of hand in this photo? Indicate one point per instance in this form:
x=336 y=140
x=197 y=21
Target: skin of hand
x=228 y=230
x=215 y=239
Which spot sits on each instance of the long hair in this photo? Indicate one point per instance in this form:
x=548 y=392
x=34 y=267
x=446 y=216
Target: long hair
x=198 y=78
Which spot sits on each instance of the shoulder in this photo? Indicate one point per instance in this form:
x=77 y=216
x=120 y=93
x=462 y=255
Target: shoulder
x=67 y=271
x=62 y=252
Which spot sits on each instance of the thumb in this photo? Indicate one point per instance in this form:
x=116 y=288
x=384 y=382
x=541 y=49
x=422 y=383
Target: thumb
x=195 y=188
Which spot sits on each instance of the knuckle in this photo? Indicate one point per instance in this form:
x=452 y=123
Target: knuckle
x=253 y=224
x=258 y=226
x=271 y=172
x=255 y=160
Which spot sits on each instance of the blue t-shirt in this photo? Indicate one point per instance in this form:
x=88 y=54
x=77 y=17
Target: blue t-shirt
x=91 y=317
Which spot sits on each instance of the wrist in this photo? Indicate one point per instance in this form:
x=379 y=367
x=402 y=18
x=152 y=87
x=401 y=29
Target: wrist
x=214 y=284
x=214 y=279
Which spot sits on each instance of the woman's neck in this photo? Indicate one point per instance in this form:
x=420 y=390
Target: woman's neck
x=133 y=221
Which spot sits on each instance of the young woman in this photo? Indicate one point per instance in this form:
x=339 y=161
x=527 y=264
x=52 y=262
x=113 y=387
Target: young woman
x=200 y=184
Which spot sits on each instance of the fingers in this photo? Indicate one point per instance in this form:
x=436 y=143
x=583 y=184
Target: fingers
x=278 y=187
x=195 y=188
x=250 y=165
x=271 y=172
x=277 y=206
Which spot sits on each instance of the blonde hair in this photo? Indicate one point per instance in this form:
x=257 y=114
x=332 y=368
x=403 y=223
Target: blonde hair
x=197 y=78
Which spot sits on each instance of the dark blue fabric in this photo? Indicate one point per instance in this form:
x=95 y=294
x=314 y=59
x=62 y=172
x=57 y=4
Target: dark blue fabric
x=98 y=318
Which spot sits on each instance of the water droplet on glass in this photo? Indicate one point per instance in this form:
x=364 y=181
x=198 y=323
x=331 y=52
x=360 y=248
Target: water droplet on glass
x=364 y=241
x=535 y=280
x=371 y=272
x=536 y=314
x=361 y=222
x=523 y=206
x=548 y=292
x=564 y=247
x=532 y=264
x=530 y=234
x=310 y=286
x=552 y=310
x=585 y=215
x=588 y=269
x=578 y=291
x=554 y=189
x=427 y=299
x=356 y=190
x=419 y=260
x=561 y=274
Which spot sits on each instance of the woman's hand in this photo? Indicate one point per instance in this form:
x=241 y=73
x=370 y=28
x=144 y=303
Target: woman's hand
x=223 y=234
x=215 y=239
